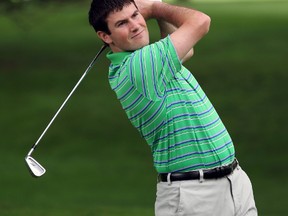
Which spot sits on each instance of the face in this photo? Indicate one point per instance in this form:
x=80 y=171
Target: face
x=128 y=30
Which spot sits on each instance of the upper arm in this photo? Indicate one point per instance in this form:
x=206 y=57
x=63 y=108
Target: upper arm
x=189 y=33
x=188 y=55
x=167 y=29
x=191 y=25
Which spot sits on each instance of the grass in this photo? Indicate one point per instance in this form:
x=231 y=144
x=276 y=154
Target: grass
x=96 y=162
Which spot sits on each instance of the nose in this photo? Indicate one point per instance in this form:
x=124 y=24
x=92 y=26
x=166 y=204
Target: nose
x=134 y=25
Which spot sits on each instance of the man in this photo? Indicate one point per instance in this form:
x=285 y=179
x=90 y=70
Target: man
x=192 y=150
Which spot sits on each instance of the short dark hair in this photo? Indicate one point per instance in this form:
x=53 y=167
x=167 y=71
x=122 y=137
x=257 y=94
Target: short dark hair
x=100 y=9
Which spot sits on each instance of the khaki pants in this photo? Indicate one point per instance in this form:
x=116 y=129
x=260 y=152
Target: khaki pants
x=228 y=196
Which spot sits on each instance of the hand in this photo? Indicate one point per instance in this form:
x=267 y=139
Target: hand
x=145 y=7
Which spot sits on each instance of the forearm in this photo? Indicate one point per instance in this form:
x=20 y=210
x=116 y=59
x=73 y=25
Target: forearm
x=190 y=25
x=163 y=12
x=172 y=14
x=164 y=27
x=167 y=29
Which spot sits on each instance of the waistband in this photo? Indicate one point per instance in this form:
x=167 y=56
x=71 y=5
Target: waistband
x=215 y=173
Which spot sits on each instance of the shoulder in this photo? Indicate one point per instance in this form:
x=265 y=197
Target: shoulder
x=164 y=44
x=160 y=51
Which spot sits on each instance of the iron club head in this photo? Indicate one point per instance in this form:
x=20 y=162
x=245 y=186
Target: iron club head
x=34 y=167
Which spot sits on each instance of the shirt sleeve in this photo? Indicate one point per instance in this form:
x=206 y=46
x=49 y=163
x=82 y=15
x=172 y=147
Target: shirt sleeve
x=152 y=68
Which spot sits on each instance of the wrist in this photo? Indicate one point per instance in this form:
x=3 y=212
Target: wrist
x=146 y=7
x=153 y=10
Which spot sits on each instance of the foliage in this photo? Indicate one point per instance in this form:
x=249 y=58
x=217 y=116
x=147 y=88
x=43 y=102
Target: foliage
x=8 y=6
x=96 y=163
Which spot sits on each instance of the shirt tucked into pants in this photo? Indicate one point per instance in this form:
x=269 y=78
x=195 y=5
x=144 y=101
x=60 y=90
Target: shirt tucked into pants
x=228 y=196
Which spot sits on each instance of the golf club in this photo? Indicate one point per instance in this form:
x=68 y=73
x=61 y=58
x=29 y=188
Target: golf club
x=35 y=168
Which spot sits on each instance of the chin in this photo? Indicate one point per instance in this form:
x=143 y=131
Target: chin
x=141 y=45
x=132 y=46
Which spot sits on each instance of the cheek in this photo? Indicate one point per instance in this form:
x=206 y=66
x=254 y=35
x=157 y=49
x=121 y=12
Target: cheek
x=143 y=22
x=119 y=35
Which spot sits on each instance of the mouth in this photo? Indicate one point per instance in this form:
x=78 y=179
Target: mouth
x=137 y=35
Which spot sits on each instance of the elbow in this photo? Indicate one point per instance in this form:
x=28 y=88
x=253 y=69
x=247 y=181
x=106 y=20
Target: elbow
x=188 y=55
x=204 y=23
x=207 y=23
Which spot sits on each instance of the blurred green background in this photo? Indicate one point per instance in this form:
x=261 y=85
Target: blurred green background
x=96 y=162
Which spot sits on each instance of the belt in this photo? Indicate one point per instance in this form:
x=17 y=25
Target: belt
x=214 y=173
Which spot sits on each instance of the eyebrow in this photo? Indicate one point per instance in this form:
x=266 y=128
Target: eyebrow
x=124 y=20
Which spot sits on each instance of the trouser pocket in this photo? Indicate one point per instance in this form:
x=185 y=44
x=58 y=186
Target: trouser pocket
x=167 y=199
x=242 y=193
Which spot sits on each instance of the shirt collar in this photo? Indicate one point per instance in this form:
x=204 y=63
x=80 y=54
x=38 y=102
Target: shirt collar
x=118 y=57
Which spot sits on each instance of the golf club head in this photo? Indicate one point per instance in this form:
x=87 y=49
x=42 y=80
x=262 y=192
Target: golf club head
x=34 y=167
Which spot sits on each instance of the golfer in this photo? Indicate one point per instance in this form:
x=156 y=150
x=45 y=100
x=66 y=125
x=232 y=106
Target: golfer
x=192 y=151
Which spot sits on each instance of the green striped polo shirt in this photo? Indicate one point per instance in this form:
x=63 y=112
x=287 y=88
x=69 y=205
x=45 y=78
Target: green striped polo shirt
x=163 y=100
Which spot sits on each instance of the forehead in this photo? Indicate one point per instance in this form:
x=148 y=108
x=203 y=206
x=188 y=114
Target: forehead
x=117 y=15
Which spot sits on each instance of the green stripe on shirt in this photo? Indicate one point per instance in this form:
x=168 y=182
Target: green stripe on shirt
x=164 y=101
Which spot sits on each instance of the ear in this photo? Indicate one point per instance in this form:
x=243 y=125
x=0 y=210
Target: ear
x=104 y=37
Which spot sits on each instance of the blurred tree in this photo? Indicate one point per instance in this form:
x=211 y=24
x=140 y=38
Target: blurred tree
x=8 y=6
x=19 y=11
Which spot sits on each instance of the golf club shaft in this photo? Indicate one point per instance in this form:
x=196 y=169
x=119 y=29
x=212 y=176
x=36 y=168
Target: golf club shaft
x=77 y=84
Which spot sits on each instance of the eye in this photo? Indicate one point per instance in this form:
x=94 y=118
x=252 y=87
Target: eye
x=119 y=24
x=135 y=14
